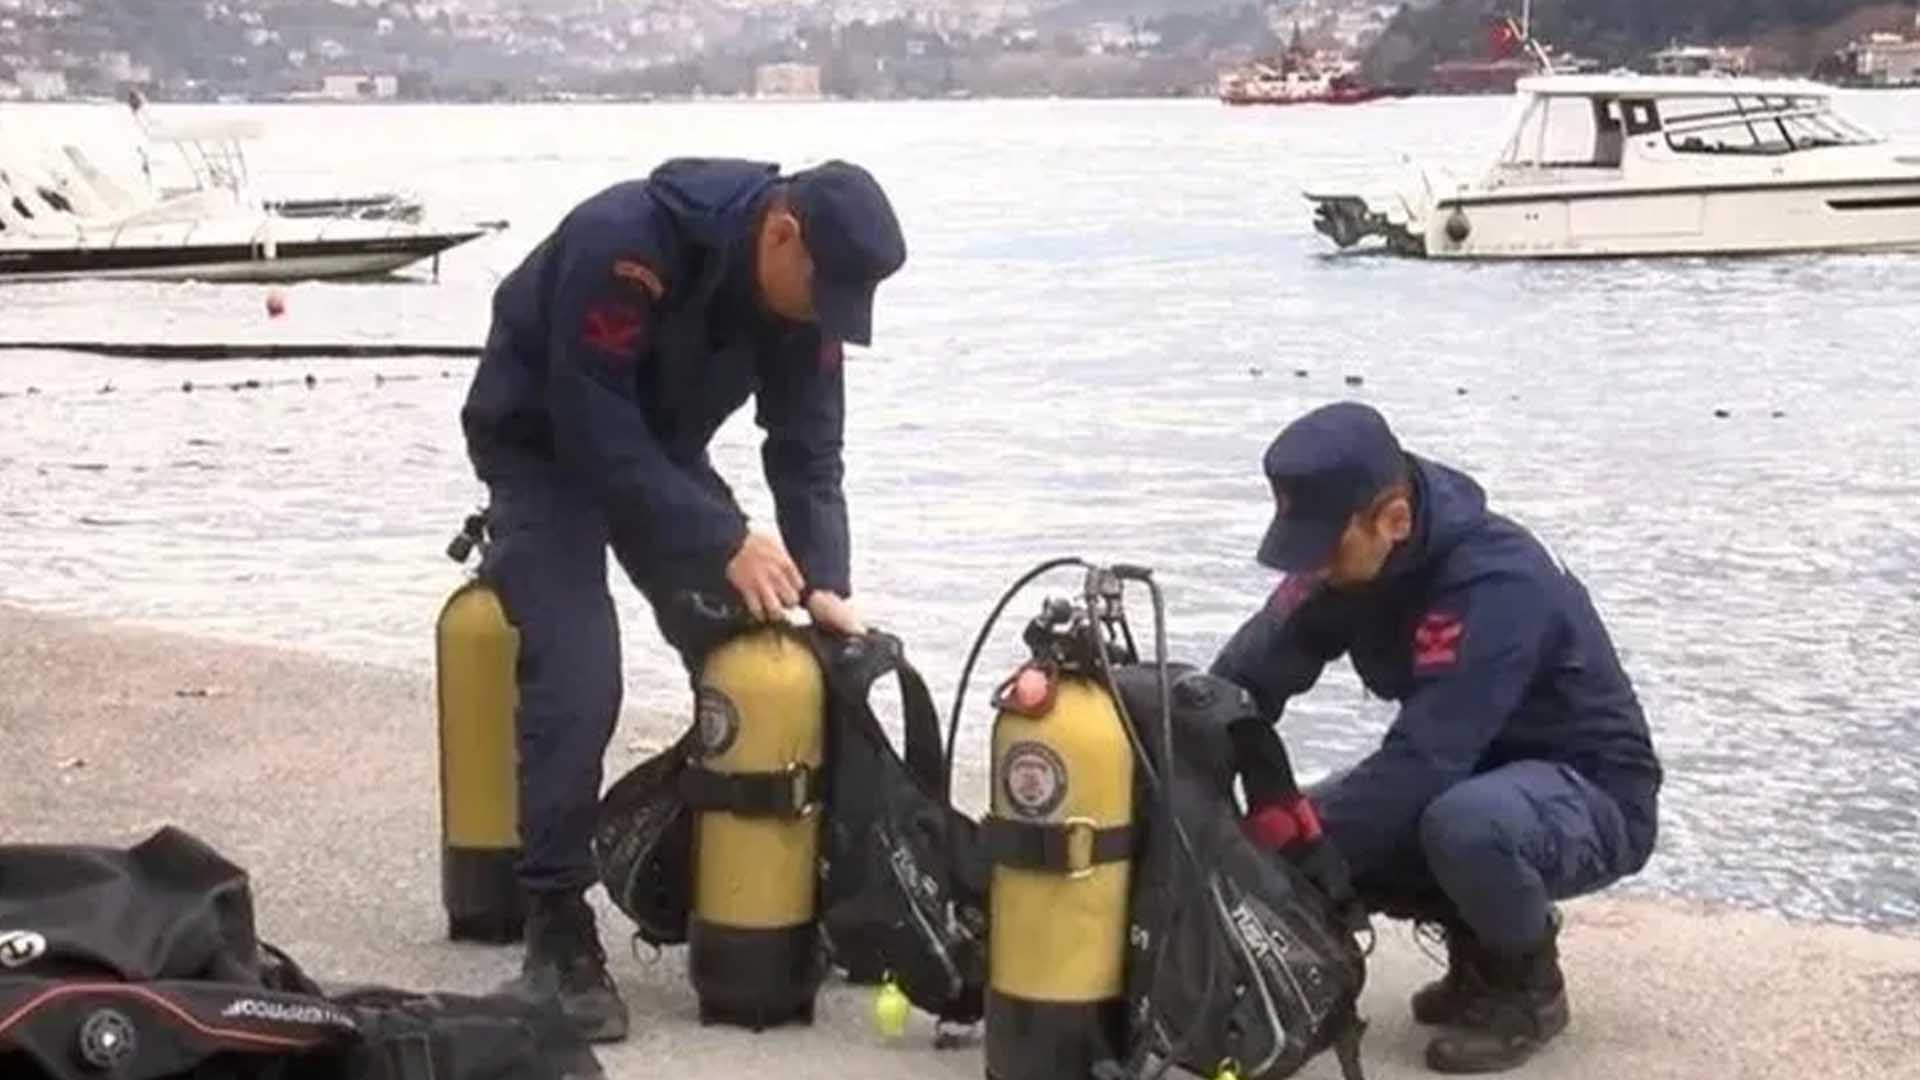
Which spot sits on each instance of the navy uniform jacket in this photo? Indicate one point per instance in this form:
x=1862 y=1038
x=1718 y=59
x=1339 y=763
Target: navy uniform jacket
x=623 y=342
x=1493 y=650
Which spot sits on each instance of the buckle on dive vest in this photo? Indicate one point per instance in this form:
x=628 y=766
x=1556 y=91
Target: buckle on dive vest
x=800 y=779
x=1079 y=834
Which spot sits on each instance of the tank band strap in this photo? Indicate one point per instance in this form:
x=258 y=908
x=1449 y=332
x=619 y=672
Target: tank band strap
x=792 y=792
x=1073 y=847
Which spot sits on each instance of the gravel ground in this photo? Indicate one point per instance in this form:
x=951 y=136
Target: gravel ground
x=319 y=778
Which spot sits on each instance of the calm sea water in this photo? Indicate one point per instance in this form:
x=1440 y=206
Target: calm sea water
x=1109 y=309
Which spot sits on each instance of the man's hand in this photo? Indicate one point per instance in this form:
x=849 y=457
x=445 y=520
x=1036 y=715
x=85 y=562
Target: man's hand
x=765 y=577
x=834 y=613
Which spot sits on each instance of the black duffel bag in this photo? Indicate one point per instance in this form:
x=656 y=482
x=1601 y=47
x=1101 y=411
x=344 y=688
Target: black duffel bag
x=143 y=964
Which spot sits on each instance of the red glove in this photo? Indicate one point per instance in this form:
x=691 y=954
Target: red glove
x=1281 y=825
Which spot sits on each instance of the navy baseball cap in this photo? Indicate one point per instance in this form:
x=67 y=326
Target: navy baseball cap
x=1325 y=467
x=854 y=240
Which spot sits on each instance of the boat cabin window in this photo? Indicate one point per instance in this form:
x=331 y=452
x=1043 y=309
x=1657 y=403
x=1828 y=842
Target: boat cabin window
x=1642 y=117
x=1568 y=133
x=1757 y=125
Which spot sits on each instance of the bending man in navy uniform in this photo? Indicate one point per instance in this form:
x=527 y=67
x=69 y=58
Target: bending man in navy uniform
x=618 y=347
x=1519 y=769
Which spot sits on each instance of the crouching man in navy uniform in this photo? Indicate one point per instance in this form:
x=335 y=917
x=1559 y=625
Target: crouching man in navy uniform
x=1519 y=769
x=618 y=347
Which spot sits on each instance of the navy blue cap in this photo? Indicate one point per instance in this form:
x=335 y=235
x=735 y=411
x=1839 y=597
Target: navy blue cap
x=854 y=240
x=1325 y=467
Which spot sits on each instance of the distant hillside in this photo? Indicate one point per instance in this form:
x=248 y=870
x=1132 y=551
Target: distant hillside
x=1793 y=34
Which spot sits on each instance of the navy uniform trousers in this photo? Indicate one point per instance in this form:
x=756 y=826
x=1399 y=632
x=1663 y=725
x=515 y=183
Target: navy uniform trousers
x=548 y=562
x=1496 y=849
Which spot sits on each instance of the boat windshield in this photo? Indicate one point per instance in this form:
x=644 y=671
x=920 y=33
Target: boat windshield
x=1554 y=132
x=1567 y=133
x=1757 y=125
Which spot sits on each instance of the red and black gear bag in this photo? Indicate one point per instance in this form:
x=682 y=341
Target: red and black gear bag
x=143 y=964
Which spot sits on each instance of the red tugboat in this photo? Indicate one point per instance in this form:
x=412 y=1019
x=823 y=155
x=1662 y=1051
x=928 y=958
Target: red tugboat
x=1301 y=78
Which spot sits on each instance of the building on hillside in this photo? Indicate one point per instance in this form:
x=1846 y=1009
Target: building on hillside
x=794 y=82
x=359 y=87
x=1677 y=59
x=39 y=84
x=1888 y=59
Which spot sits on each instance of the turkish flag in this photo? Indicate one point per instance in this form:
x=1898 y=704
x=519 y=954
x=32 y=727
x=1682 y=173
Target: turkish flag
x=1503 y=38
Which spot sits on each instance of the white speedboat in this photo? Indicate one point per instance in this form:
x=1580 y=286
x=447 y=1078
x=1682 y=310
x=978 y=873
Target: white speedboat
x=1634 y=165
x=64 y=217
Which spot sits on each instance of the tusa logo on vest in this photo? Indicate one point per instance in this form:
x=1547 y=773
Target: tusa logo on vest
x=18 y=948
x=1034 y=779
x=1252 y=931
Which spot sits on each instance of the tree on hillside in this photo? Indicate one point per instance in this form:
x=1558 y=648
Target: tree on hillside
x=1612 y=31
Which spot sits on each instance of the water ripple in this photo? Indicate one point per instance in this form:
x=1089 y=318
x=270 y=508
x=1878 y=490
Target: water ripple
x=1097 y=333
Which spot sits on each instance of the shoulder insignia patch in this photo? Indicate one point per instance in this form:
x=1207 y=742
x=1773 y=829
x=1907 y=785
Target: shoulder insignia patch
x=1436 y=642
x=831 y=355
x=634 y=272
x=1293 y=590
x=614 y=331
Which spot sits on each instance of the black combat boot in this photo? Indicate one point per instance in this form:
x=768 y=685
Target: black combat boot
x=1524 y=1006
x=564 y=959
x=1446 y=1000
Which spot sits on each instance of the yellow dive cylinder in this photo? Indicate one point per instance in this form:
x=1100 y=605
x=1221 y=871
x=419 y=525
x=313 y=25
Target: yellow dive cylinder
x=475 y=651
x=1061 y=834
x=754 y=956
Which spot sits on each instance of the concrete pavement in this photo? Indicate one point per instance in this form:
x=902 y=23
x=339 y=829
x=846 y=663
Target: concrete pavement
x=319 y=778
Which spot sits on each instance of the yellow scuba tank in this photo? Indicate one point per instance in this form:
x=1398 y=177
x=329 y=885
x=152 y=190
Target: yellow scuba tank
x=754 y=956
x=475 y=649
x=1061 y=835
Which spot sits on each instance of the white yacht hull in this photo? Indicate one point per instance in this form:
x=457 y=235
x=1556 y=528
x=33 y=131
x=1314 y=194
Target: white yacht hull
x=1623 y=165
x=300 y=261
x=1730 y=220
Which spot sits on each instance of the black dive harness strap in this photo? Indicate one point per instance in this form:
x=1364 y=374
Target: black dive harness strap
x=853 y=665
x=1072 y=847
x=791 y=792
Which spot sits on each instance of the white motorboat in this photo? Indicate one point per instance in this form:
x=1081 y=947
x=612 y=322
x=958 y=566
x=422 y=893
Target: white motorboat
x=1635 y=165
x=214 y=155
x=64 y=217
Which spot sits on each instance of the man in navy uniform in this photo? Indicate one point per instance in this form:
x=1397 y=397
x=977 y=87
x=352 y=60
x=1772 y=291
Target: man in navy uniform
x=618 y=347
x=1519 y=769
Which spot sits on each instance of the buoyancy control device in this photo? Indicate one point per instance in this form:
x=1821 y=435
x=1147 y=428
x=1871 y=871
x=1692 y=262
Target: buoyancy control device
x=902 y=879
x=1134 y=925
x=475 y=651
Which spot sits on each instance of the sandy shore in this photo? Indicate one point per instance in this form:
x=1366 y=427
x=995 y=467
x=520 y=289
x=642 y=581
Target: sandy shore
x=319 y=778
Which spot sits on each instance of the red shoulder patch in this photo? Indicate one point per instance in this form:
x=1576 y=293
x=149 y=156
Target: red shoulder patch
x=635 y=272
x=1436 y=641
x=1292 y=591
x=614 y=330
x=831 y=355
